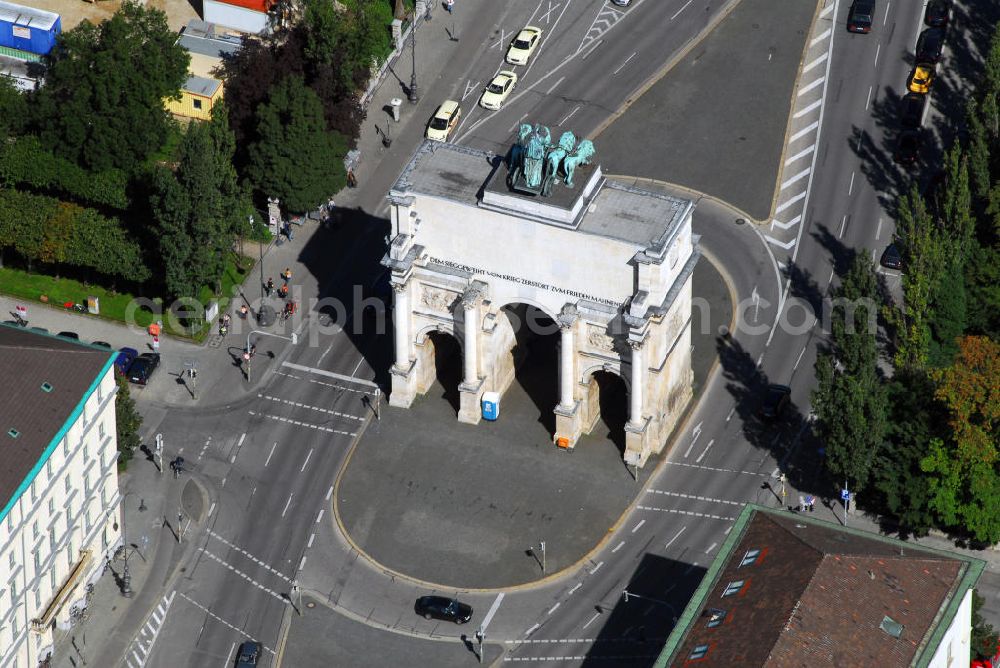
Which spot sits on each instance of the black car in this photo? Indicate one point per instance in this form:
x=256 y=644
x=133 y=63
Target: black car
x=439 y=607
x=911 y=110
x=929 y=45
x=891 y=259
x=142 y=368
x=776 y=399
x=938 y=13
x=860 y=18
x=907 y=147
x=249 y=652
x=69 y=335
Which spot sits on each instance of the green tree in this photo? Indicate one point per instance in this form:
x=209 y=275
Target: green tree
x=949 y=319
x=982 y=278
x=965 y=480
x=295 y=157
x=13 y=107
x=850 y=401
x=128 y=423
x=102 y=104
x=984 y=636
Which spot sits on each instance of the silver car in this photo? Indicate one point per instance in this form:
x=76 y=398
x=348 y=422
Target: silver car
x=622 y=3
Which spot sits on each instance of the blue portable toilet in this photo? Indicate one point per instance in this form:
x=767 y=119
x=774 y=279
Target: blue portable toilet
x=491 y=406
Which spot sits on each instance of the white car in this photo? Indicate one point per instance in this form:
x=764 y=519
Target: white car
x=524 y=45
x=498 y=90
x=444 y=121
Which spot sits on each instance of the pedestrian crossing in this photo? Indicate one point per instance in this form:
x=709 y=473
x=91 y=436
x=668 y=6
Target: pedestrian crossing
x=142 y=645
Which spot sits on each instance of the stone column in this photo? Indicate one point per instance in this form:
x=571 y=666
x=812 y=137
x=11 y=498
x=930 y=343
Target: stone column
x=638 y=378
x=566 y=349
x=471 y=322
x=401 y=326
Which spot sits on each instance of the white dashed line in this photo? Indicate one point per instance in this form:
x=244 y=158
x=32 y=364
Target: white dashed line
x=804 y=131
x=573 y=590
x=801 y=154
x=304 y=424
x=716 y=468
x=270 y=454
x=678 y=12
x=221 y=620
x=813 y=84
x=597 y=568
x=637 y=526
x=688 y=513
x=306 y=462
x=248 y=555
x=618 y=547
x=554 y=607
x=819 y=61
x=319 y=516
x=287 y=503
x=676 y=536
x=244 y=576
x=820 y=38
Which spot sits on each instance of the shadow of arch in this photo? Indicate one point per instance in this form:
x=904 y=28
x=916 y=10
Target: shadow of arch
x=532 y=359
x=443 y=349
x=607 y=406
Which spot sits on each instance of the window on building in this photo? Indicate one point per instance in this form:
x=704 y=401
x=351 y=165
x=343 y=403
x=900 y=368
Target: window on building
x=734 y=587
x=715 y=617
x=52 y=506
x=52 y=542
x=196 y=103
x=66 y=447
x=891 y=626
x=38 y=599
x=13 y=591
x=750 y=557
x=68 y=485
x=698 y=652
x=13 y=629
x=100 y=430
x=10 y=560
x=48 y=468
x=37 y=556
x=34 y=494
x=52 y=580
x=34 y=530
x=86 y=453
x=100 y=393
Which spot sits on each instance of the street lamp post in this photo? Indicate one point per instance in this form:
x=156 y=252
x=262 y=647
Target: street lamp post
x=412 y=95
x=260 y=263
x=126 y=575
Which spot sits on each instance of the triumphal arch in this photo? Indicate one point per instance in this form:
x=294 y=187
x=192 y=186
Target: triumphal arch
x=474 y=235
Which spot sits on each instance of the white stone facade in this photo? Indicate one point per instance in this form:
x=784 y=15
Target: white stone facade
x=56 y=534
x=611 y=265
x=955 y=648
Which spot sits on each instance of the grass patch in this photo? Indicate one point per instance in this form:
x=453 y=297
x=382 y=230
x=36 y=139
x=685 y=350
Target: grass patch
x=117 y=306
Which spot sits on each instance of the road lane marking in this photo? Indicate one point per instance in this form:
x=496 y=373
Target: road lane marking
x=819 y=61
x=597 y=568
x=229 y=655
x=626 y=62
x=319 y=515
x=554 y=607
x=222 y=621
x=804 y=131
x=717 y=469
x=302 y=563
x=239 y=444
x=637 y=526
x=551 y=88
x=678 y=12
x=843 y=223
x=329 y=493
x=820 y=37
x=702 y=455
x=211 y=509
x=689 y=513
x=287 y=503
x=312 y=537
x=823 y=14
x=801 y=175
x=850 y=188
x=298 y=423
x=299 y=404
x=878 y=49
x=568 y=116
x=573 y=590
x=691 y=568
x=790 y=202
x=306 y=462
x=248 y=555
x=886 y=17
x=806 y=110
x=801 y=154
x=878 y=230
x=591 y=620
x=329 y=374
x=799 y=359
x=618 y=547
x=676 y=536
x=869 y=100
x=532 y=630
x=731 y=411
x=710 y=548
x=270 y=454
x=813 y=84
x=244 y=576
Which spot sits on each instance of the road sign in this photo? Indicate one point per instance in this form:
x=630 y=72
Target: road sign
x=844 y=495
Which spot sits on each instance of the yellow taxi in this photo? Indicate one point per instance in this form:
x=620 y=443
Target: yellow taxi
x=921 y=78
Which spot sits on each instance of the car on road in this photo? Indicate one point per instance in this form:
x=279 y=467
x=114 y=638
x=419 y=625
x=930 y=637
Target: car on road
x=907 y=147
x=444 y=120
x=69 y=335
x=860 y=18
x=621 y=3
x=124 y=359
x=911 y=110
x=142 y=367
x=938 y=13
x=891 y=259
x=920 y=78
x=499 y=89
x=929 y=45
x=524 y=45
x=248 y=655
x=776 y=400
x=440 y=607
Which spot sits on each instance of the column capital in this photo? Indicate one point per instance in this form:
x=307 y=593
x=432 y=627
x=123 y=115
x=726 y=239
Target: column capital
x=400 y=287
x=473 y=295
x=636 y=345
x=568 y=316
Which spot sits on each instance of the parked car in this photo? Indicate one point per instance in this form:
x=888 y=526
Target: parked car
x=124 y=359
x=499 y=89
x=891 y=259
x=908 y=147
x=860 y=18
x=69 y=335
x=622 y=3
x=524 y=45
x=439 y=607
x=142 y=368
x=921 y=78
x=248 y=654
x=929 y=45
x=911 y=110
x=444 y=120
x=938 y=13
x=776 y=400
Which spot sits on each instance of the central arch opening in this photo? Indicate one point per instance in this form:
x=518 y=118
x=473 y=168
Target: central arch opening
x=534 y=358
x=607 y=407
x=447 y=356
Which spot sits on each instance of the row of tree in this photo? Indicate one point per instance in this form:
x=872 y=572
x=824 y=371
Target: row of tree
x=921 y=441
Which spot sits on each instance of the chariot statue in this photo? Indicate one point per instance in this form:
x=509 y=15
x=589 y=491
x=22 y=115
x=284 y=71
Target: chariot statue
x=536 y=164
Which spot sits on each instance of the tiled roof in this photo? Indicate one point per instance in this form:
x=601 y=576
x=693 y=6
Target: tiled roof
x=818 y=594
x=27 y=361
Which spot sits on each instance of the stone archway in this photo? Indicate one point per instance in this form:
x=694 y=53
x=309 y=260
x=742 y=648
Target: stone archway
x=605 y=406
x=529 y=337
x=440 y=355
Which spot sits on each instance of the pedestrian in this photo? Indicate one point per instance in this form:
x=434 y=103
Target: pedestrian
x=269 y=286
x=286 y=275
x=283 y=291
x=288 y=230
x=156 y=344
x=243 y=311
x=449 y=5
x=352 y=181
x=810 y=503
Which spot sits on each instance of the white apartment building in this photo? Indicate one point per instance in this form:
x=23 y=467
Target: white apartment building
x=58 y=485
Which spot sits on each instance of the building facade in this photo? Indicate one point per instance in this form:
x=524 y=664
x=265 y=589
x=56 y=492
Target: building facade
x=203 y=89
x=58 y=486
x=605 y=265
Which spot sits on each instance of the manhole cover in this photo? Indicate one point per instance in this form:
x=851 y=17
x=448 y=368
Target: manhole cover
x=740 y=221
x=310 y=604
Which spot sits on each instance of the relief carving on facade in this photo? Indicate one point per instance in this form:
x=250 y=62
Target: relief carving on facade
x=599 y=340
x=437 y=299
